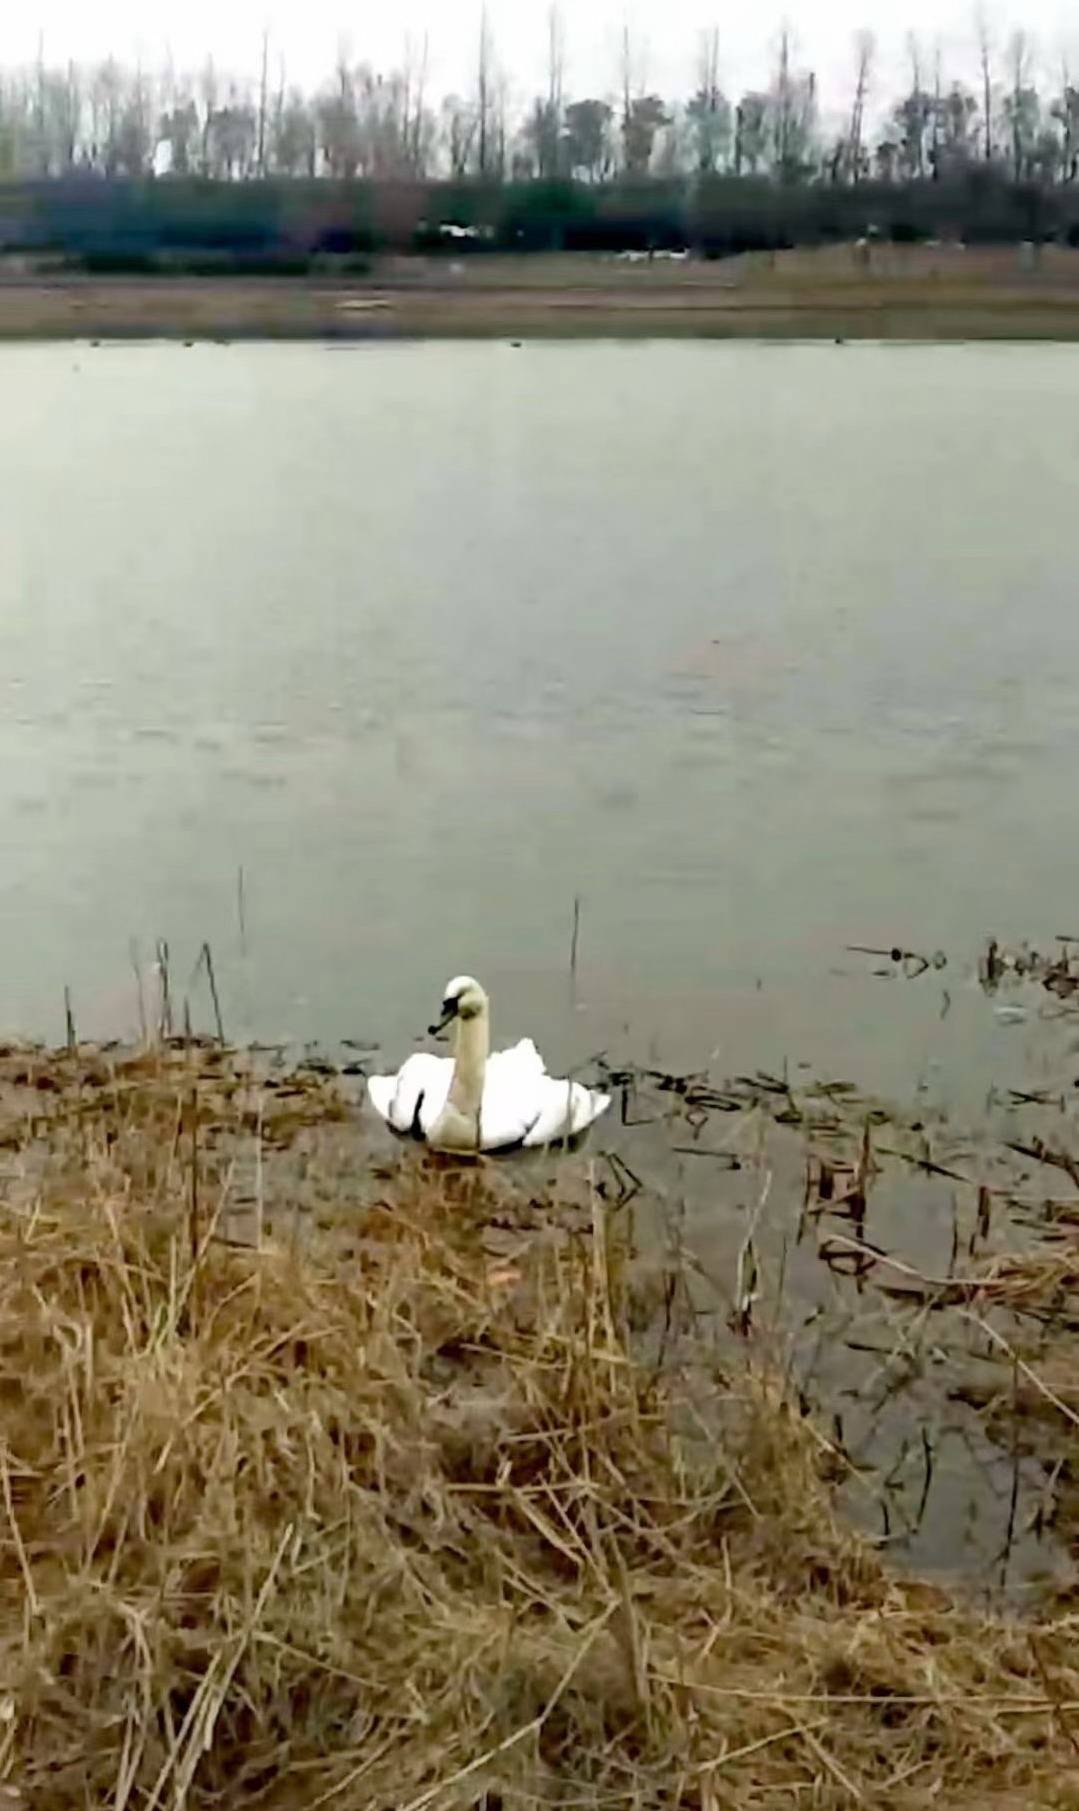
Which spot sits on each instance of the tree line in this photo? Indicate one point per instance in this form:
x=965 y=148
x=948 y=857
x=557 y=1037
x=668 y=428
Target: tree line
x=115 y=121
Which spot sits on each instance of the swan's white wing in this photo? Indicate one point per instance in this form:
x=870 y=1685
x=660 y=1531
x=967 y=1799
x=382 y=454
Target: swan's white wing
x=564 y=1110
x=516 y=1070
x=522 y=1104
x=512 y=1095
x=380 y=1092
x=423 y=1082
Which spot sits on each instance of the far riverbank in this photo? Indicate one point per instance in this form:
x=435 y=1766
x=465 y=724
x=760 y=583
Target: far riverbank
x=929 y=293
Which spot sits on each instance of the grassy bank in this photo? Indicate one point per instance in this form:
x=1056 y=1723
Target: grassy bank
x=939 y=294
x=431 y=1493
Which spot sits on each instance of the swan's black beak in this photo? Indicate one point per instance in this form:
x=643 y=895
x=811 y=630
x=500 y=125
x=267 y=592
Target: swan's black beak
x=449 y=1013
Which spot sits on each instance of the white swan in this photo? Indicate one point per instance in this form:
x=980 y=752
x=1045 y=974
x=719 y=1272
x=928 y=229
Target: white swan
x=472 y=1101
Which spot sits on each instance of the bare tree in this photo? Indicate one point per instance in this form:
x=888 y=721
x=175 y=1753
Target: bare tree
x=960 y=113
x=938 y=109
x=233 y=137
x=294 y=135
x=483 y=94
x=918 y=104
x=106 y=109
x=556 y=58
x=647 y=117
x=556 y=71
x=781 y=150
x=864 y=49
x=40 y=136
x=406 y=102
x=58 y=119
x=643 y=115
x=459 y=130
x=985 y=63
x=752 y=133
x=134 y=147
x=72 y=114
x=791 y=114
x=1065 y=111
x=910 y=119
x=708 y=112
x=416 y=128
x=421 y=124
x=1021 y=107
x=338 y=123
x=208 y=95
x=178 y=125
x=260 y=154
x=10 y=127
x=543 y=129
x=499 y=129
x=384 y=123
x=630 y=83
x=627 y=76
x=278 y=120
x=708 y=62
x=588 y=138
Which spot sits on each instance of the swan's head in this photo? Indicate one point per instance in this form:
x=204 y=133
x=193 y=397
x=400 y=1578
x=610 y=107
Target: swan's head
x=462 y=998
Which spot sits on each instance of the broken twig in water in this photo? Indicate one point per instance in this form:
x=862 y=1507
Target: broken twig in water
x=241 y=908
x=165 y=1019
x=136 y=969
x=207 y=957
x=912 y=962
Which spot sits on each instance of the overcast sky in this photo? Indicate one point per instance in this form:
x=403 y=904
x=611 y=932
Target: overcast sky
x=307 y=32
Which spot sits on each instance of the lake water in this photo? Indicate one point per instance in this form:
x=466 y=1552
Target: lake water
x=759 y=650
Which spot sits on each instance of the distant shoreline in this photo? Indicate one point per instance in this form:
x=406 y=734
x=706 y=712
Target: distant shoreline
x=914 y=295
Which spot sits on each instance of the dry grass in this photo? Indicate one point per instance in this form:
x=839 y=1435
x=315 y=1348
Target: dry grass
x=398 y=1513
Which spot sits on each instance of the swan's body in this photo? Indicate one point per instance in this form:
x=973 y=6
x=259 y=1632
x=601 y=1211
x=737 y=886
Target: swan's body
x=476 y=1102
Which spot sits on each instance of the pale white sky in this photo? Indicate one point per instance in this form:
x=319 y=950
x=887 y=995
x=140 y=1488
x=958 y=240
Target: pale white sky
x=307 y=32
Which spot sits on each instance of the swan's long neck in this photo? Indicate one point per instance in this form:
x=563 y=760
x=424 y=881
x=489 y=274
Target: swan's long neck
x=470 y=1064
